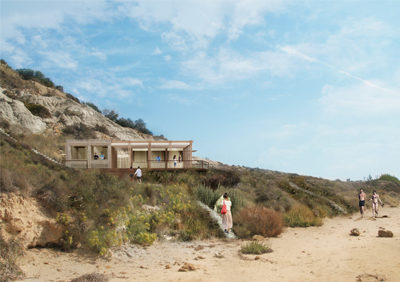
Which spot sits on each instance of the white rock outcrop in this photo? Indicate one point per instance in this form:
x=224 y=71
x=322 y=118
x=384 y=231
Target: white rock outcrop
x=16 y=113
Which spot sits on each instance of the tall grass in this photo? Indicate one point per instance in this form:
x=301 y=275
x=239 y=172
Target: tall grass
x=209 y=196
x=255 y=248
x=301 y=216
x=9 y=253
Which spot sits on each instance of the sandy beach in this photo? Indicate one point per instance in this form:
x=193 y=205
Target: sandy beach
x=326 y=253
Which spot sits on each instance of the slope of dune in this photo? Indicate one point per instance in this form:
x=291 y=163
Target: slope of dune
x=326 y=253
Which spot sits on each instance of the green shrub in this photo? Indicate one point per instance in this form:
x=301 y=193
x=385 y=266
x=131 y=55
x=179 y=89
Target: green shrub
x=80 y=131
x=209 y=197
x=38 y=76
x=93 y=106
x=38 y=110
x=258 y=221
x=255 y=248
x=388 y=177
x=185 y=235
x=227 y=178
x=102 y=129
x=72 y=97
x=301 y=216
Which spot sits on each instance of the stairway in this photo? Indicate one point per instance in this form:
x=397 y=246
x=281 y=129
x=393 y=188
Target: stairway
x=37 y=152
x=218 y=219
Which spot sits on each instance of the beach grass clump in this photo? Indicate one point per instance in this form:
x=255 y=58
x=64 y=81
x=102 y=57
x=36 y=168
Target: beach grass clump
x=209 y=196
x=301 y=216
x=255 y=248
x=9 y=253
x=258 y=220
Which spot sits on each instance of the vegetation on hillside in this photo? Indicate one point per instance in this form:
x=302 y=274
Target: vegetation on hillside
x=19 y=79
x=35 y=75
x=99 y=211
x=138 y=124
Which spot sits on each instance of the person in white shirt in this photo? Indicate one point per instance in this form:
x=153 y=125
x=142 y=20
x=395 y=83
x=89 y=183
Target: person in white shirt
x=227 y=217
x=138 y=174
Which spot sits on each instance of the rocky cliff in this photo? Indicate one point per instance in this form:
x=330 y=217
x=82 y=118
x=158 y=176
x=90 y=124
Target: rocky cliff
x=62 y=110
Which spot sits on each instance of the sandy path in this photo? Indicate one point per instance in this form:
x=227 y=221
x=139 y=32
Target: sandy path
x=324 y=253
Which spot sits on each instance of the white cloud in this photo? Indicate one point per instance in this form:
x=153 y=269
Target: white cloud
x=157 y=51
x=48 y=14
x=250 y=12
x=132 y=82
x=60 y=59
x=195 y=23
x=167 y=58
x=359 y=99
x=175 y=84
x=227 y=65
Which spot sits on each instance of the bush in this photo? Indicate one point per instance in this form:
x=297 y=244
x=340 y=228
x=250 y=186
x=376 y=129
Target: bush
x=388 y=177
x=93 y=106
x=9 y=253
x=255 y=248
x=38 y=76
x=102 y=129
x=59 y=88
x=38 y=110
x=301 y=216
x=208 y=196
x=91 y=277
x=80 y=131
x=72 y=97
x=258 y=221
x=217 y=178
x=138 y=124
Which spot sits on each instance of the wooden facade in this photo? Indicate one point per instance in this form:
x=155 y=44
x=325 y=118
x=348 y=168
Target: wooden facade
x=92 y=153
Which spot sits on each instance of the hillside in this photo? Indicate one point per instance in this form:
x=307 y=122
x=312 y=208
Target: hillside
x=29 y=106
x=44 y=204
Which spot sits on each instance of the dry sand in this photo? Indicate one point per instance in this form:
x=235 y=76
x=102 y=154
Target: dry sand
x=326 y=253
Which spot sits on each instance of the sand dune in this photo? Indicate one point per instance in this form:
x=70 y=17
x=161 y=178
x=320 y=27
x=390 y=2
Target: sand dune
x=324 y=253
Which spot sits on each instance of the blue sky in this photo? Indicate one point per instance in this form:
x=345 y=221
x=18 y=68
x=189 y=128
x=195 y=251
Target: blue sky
x=309 y=87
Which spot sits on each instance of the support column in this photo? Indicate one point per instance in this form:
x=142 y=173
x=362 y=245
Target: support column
x=89 y=156
x=109 y=156
x=130 y=154
x=166 y=155
x=67 y=153
x=149 y=155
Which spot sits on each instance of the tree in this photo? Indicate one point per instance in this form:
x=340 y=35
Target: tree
x=93 y=106
x=111 y=114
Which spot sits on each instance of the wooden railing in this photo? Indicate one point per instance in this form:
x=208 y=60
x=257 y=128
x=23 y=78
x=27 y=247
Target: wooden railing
x=156 y=165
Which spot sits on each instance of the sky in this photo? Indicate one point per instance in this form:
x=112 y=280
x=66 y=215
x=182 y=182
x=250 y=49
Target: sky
x=307 y=87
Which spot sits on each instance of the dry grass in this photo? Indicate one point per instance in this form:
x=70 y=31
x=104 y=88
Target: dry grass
x=258 y=221
x=9 y=253
x=301 y=216
x=255 y=248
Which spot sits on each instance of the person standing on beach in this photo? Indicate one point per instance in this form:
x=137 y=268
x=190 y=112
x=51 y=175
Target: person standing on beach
x=375 y=204
x=138 y=174
x=361 y=201
x=227 y=217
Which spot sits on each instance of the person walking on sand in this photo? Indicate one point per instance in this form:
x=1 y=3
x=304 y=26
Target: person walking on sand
x=138 y=174
x=226 y=214
x=361 y=201
x=375 y=203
